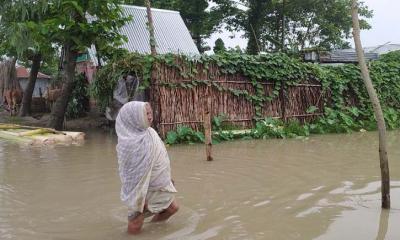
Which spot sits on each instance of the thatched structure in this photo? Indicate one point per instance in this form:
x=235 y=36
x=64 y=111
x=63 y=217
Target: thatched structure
x=174 y=104
x=8 y=77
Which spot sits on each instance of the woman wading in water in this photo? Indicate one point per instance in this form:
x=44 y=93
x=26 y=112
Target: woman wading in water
x=144 y=167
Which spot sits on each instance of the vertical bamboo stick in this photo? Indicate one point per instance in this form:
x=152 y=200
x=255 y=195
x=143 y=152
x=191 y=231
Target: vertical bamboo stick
x=283 y=102
x=207 y=125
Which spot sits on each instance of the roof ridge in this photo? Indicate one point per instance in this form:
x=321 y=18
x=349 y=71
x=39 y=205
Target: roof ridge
x=28 y=70
x=153 y=9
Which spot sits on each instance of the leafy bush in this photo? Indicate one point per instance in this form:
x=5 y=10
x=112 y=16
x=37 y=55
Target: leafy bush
x=78 y=104
x=275 y=128
x=392 y=118
x=106 y=79
x=269 y=128
x=184 y=134
x=220 y=123
x=391 y=57
x=294 y=129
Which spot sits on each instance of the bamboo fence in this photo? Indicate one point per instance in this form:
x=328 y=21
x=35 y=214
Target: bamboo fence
x=174 y=106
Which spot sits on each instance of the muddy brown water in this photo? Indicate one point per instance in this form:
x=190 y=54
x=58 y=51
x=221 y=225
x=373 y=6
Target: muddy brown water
x=325 y=187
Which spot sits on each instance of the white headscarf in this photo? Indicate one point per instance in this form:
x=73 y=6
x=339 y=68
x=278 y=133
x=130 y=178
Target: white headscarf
x=142 y=157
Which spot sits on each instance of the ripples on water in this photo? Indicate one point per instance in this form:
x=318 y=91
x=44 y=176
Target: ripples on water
x=326 y=187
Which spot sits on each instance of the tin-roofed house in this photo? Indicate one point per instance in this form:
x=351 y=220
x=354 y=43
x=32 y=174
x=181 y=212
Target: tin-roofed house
x=344 y=56
x=383 y=49
x=42 y=81
x=335 y=57
x=41 y=85
x=171 y=36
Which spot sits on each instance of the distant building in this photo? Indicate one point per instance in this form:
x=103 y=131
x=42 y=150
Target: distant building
x=344 y=56
x=336 y=56
x=42 y=81
x=383 y=49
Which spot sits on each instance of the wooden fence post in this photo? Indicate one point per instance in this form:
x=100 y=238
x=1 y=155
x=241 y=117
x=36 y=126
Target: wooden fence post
x=283 y=102
x=207 y=125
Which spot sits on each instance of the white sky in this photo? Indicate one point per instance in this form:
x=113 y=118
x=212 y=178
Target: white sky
x=384 y=26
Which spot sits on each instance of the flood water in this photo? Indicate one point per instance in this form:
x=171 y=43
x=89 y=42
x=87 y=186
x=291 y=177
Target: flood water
x=324 y=187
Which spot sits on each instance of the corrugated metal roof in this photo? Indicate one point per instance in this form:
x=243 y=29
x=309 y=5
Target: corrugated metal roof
x=23 y=72
x=346 y=56
x=171 y=33
x=382 y=49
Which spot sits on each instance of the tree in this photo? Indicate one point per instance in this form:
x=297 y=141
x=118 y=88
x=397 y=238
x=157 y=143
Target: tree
x=292 y=25
x=256 y=17
x=23 y=37
x=219 y=46
x=71 y=28
x=383 y=157
x=316 y=23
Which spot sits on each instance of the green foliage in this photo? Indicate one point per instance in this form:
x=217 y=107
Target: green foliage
x=333 y=122
x=294 y=128
x=275 y=128
x=254 y=18
x=219 y=46
x=347 y=105
x=79 y=101
x=220 y=123
x=273 y=68
x=336 y=122
x=69 y=23
x=391 y=57
x=292 y=25
x=107 y=78
x=265 y=129
x=347 y=88
x=392 y=118
x=269 y=128
x=21 y=29
x=222 y=129
x=184 y=134
x=23 y=34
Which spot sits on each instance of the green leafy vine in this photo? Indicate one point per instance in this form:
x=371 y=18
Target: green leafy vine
x=346 y=102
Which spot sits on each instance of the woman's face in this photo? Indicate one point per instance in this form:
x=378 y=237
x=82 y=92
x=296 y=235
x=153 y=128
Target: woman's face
x=149 y=113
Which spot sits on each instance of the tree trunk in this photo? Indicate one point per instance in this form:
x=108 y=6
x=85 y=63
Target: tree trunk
x=253 y=47
x=199 y=43
x=151 y=28
x=27 y=97
x=2 y=80
x=385 y=178
x=8 y=76
x=60 y=106
x=255 y=20
x=283 y=26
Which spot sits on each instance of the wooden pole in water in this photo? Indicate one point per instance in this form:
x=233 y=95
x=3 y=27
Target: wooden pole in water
x=383 y=156
x=207 y=125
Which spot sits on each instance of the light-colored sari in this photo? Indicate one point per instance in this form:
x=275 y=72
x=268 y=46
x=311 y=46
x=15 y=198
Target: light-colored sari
x=144 y=166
